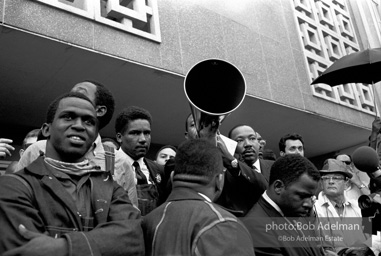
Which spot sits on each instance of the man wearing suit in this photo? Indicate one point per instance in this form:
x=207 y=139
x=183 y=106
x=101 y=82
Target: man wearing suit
x=248 y=148
x=289 y=198
x=240 y=180
x=133 y=132
x=244 y=184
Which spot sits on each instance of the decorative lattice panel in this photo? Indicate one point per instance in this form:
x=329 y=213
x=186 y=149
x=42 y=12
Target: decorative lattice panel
x=327 y=34
x=139 y=17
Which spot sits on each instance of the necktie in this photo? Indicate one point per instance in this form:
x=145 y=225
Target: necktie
x=139 y=174
x=255 y=169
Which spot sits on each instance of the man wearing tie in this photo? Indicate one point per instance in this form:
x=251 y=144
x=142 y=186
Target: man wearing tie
x=133 y=132
x=247 y=178
x=248 y=148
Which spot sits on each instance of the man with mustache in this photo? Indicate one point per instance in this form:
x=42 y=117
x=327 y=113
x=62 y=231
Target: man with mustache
x=133 y=132
x=290 y=196
x=247 y=149
x=62 y=204
x=240 y=179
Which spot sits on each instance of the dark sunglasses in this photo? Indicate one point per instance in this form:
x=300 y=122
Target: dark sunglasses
x=347 y=162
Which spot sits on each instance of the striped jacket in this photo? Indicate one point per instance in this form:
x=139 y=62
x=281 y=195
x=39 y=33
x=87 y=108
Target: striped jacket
x=188 y=223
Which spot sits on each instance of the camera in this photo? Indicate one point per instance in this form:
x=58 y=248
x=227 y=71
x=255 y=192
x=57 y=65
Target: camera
x=371 y=212
x=366 y=160
x=367 y=203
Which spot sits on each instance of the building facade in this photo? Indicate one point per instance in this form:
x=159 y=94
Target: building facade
x=142 y=50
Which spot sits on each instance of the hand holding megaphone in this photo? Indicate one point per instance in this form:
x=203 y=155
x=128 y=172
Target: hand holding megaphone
x=209 y=130
x=214 y=89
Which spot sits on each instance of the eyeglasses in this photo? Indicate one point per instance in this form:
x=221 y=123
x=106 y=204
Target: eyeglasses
x=334 y=178
x=347 y=162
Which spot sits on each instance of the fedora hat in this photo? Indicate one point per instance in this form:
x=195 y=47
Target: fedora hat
x=335 y=166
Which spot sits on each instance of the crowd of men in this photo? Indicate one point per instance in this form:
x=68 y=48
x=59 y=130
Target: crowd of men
x=75 y=193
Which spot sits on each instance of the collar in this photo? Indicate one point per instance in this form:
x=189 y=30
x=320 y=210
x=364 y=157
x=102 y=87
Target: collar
x=257 y=165
x=204 y=196
x=129 y=160
x=272 y=203
x=325 y=200
x=184 y=191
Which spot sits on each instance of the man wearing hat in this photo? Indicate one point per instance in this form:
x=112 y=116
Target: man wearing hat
x=333 y=209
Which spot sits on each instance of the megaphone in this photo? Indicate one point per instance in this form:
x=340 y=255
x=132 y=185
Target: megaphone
x=214 y=89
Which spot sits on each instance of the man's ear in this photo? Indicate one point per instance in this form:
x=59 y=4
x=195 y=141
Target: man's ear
x=278 y=186
x=45 y=129
x=119 y=137
x=281 y=153
x=101 y=110
x=347 y=183
x=219 y=181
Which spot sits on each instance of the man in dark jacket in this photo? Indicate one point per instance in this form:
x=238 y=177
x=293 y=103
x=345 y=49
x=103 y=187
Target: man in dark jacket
x=246 y=178
x=275 y=220
x=61 y=204
x=189 y=223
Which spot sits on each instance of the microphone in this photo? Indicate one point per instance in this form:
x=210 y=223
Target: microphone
x=365 y=159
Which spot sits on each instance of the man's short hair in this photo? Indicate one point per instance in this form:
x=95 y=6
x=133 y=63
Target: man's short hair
x=289 y=136
x=289 y=168
x=130 y=114
x=198 y=157
x=52 y=109
x=103 y=97
x=164 y=147
x=235 y=127
x=32 y=134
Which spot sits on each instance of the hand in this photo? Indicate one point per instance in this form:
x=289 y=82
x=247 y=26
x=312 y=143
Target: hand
x=5 y=148
x=209 y=132
x=39 y=245
x=355 y=179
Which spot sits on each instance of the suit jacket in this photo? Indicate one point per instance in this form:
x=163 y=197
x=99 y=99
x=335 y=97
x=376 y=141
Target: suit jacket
x=189 y=224
x=242 y=189
x=269 y=241
x=265 y=168
x=157 y=176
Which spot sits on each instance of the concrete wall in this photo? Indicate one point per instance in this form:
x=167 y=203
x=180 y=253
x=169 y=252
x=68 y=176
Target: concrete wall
x=259 y=36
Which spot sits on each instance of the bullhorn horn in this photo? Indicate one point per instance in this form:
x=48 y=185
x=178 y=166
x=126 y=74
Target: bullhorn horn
x=214 y=89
